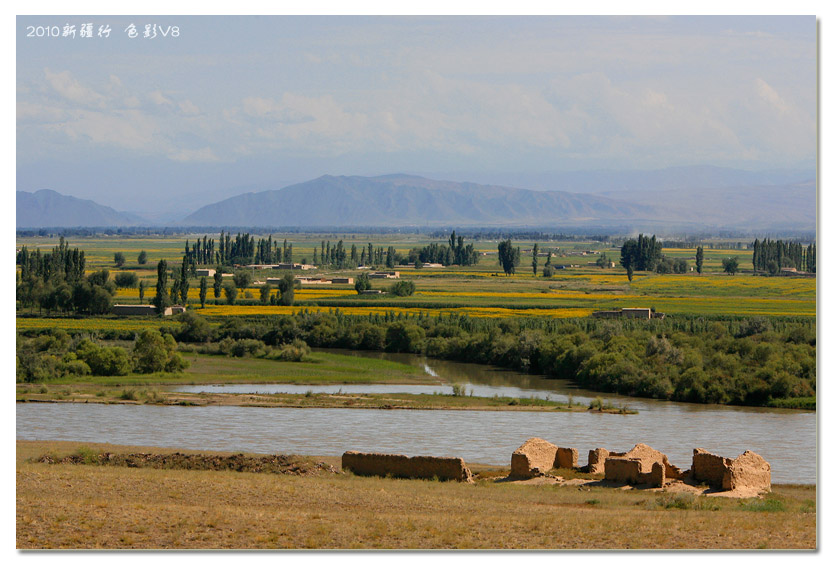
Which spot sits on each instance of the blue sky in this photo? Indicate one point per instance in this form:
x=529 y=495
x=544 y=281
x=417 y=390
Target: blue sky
x=241 y=102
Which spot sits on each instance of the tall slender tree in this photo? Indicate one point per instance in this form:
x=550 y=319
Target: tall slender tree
x=203 y=291
x=162 y=300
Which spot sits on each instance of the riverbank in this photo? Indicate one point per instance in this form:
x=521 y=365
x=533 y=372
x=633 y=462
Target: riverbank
x=92 y=393
x=146 y=508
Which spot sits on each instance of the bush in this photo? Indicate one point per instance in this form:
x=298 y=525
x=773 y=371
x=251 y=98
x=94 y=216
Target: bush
x=403 y=288
x=230 y=293
x=194 y=328
x=677 y=501
x=156 y=353
x=243 y=278
x=297 y=351
x=104 y=361
x=247 y=347
x=362 y=283
x=126 y=280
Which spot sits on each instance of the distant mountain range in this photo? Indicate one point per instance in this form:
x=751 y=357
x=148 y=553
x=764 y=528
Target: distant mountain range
x=47 y=208
x=404 y=200
x=400 y=200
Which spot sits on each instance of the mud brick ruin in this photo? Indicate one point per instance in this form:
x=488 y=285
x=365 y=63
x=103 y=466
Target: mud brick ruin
x=400 y=466
x=748 y=474
x=748 y=471
x=537 y=456
x=641 y=465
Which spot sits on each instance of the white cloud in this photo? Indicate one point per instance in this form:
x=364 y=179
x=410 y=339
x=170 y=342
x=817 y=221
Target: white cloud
x=66 y=86
x=158 y=98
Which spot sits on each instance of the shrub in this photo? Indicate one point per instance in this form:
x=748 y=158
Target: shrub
x=362 y=283
x=243 y=278
x=403 y=288
x=104 y=361
x=247 y=347
x=767 y=504
x=230 y=293
x=677 y=501
x=297 y=351
x=126 y=280
x=156 y=353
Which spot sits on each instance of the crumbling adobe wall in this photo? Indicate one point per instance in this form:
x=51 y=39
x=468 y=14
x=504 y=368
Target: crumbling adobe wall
x=708 y=467
x=649 y=456
x=535 y=457
x=566 y=458
x=401 y=466
x=596 y=459
x=641 y=465
x=749 y=471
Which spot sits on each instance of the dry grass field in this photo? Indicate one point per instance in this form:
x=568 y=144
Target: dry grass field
x=103 y=507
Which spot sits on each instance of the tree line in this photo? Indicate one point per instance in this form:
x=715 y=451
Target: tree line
x=242 y=249
x=771 y=256
x=739 y=361
x=56 y=281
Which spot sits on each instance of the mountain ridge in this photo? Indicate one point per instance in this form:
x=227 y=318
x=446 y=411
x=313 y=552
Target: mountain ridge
x=49 y=208
x=400 y=199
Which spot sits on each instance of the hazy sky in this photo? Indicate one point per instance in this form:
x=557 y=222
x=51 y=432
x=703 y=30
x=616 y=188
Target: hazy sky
x=266 y=101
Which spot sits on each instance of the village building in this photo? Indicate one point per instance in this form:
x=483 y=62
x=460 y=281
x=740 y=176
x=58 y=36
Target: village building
x=135 y=310
x=629 y=312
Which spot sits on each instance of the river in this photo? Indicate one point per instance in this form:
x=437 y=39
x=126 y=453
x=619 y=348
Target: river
x=785 y=438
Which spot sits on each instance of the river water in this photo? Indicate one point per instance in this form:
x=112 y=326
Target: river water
x=785 y=438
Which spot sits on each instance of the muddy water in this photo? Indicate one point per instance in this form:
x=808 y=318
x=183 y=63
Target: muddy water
x=787 y=439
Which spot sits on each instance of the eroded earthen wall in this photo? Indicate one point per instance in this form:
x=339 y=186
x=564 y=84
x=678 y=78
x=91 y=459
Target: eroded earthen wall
x=401 y=466
x=535 y=457
x=749 y=471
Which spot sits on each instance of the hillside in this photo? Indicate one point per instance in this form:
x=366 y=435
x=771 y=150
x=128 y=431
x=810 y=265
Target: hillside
x=408 y=200
x=47 y=208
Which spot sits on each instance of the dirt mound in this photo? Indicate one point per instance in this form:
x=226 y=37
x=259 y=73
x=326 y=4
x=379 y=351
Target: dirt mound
x=273 y=464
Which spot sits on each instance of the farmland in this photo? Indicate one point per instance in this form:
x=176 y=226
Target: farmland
x=746 y=338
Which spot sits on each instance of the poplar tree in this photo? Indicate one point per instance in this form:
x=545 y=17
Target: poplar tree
x=203 y=291
x=162 y=300
x=535 y=262
x=699 y=260
x=217 y=284
x=184 y=285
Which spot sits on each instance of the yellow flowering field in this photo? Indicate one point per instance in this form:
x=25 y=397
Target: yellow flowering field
x=239 y=310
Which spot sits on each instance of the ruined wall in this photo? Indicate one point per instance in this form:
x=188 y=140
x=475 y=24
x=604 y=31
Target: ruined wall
x=640 y=465
x=535 y=457
x=401 y=466
x=566 y=458
x=635 y=471
x=708 y=467
x=748 y=471
x=596 y=459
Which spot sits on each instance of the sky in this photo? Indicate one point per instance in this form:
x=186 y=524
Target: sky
x=227 y=104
